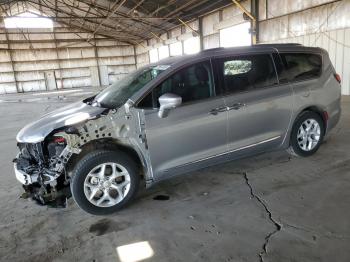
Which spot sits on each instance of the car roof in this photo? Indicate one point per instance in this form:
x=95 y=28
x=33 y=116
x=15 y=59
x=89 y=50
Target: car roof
x=207 y=53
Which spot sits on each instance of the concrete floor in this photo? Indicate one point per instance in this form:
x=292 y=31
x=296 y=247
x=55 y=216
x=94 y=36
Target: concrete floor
x=270 y=207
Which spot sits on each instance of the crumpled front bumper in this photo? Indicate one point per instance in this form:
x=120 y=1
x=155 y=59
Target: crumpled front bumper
x=35 y=189
x=23 y=177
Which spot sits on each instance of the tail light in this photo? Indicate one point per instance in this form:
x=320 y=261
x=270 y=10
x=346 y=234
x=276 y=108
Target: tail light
x=337 y=77
x=325 y=116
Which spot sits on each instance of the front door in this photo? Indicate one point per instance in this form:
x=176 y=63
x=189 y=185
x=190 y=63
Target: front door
x=192 y=132
x=259 y=107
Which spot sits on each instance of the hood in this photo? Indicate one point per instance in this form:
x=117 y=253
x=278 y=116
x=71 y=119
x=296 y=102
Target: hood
x=69 y=115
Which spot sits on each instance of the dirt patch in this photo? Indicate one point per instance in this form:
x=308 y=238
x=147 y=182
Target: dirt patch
x=105 y=226
x=161 y=197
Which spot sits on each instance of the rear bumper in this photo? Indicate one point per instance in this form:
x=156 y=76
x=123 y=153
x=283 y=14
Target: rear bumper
x=333 y=120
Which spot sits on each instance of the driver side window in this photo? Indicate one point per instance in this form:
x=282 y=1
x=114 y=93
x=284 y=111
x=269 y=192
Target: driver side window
x=192 y=83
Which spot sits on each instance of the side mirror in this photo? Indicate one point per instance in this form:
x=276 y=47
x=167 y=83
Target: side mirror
x=167 y=102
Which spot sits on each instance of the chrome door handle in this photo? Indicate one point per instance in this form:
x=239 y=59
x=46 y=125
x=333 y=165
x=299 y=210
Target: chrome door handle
x=217 y=110
x=236 y=106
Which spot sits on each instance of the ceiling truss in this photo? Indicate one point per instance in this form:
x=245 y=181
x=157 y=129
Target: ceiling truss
x=128 y=21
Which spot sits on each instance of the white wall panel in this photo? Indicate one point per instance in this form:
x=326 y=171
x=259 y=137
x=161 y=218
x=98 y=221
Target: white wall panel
x=346 y=63
x=32 y=86
x=72 y=72
x=7 y=88
x=339 y=51
x=33 y=55
x=4 y=56
x=209 y=22
x=211 y=41
x=36 y=65
x=7 y=77
x=77 y=82
x=5 y=67
x=325 y=26
x=337 y=43
x=281 y=7
x=30 y=76
x=117 y=60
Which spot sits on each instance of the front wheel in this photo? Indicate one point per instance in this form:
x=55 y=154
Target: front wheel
x=104 y=181
x=307 y=134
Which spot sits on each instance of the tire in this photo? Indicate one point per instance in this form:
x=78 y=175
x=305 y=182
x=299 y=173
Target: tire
x=298 y=146
x=91 y=180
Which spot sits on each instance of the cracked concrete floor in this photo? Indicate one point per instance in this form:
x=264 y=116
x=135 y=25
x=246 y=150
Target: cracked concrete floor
x=264 y=208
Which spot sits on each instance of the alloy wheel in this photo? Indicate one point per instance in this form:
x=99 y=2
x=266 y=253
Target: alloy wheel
x=107 y=184
x=309 y=134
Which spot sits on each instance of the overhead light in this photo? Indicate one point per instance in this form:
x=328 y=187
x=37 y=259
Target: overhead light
x=28 y=20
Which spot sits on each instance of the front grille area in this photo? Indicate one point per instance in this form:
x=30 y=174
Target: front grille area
x=32 y=152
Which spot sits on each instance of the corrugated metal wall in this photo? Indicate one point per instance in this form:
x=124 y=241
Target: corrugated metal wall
x=337 y=43
x=323 y=24
x=211 y=25
x=34 y=60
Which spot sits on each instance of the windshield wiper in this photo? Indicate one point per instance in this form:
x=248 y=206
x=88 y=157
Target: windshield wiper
x=89 y=100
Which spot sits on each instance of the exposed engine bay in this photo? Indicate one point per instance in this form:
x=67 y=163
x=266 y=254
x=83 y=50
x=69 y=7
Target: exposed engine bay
x=43 y=164
x=42 y=167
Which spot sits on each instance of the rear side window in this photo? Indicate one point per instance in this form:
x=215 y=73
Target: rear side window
x=244 y=73
x=301 y=66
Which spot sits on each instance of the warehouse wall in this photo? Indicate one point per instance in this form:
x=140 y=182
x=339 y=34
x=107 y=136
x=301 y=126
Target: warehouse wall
x=62 y=63
x=34 y=60
x=324 y=23
x=209 y=25
x=141 y=53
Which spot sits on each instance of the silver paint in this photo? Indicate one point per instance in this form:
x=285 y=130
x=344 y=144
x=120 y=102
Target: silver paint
x=37 y=131
x=202 y=133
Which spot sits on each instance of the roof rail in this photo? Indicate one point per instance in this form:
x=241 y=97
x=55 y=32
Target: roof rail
x=280 y=44
x=213 y=49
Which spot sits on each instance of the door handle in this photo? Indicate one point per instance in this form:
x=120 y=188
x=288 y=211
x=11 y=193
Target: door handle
x=236 y=106
x=217 y=110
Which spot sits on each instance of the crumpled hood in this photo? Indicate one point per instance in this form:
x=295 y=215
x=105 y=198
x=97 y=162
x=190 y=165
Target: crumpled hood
x=37 y=131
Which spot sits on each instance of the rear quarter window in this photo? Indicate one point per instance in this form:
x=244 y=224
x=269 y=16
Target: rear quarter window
x=301 y=66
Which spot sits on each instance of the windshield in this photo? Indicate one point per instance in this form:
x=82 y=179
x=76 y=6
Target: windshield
x=118 y=93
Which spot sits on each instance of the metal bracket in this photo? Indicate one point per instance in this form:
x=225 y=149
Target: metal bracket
x=188 y=26
x=253 y=19
x=244 y=10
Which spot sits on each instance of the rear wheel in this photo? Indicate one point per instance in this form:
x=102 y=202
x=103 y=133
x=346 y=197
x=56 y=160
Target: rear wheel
x=307 y=134
x=104 y=181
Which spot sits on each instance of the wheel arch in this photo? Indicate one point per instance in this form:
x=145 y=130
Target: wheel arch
x=318 y=110
x=313 y=108
x=108 y=144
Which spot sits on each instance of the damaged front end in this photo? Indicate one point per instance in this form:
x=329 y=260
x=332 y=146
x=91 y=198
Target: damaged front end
x=40 y=167
x=44 y=164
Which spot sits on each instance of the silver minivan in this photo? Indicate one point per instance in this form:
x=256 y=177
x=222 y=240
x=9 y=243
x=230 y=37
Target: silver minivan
x=179 y=115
